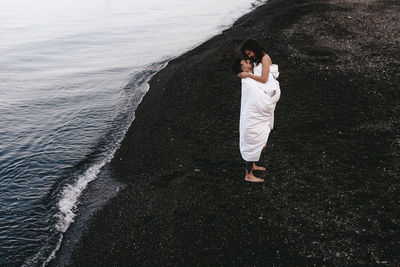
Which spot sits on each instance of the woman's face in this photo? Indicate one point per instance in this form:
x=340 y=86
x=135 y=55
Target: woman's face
x=250 y=54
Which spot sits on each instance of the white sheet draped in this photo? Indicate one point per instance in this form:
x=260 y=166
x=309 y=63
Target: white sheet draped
x=257 y=113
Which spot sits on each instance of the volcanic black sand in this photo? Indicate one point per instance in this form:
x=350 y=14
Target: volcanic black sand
x=331 y=192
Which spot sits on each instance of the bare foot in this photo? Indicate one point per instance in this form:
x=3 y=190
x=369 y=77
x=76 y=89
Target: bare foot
x=258 y=168
x=251 y=178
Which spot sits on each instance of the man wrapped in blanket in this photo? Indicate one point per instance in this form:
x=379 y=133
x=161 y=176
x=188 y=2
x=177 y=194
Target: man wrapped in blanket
x=257 y=108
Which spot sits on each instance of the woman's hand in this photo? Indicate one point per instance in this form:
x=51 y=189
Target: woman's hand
x=243 y=75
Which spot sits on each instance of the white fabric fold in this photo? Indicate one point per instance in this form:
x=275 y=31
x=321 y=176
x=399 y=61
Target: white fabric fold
x=257 y=114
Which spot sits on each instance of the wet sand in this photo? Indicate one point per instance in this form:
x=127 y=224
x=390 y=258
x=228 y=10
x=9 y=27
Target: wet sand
x=331 y=190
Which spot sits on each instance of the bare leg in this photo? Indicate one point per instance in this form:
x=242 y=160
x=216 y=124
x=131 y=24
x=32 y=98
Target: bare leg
x=249 y=174
x=257 y=168
x=251 y=178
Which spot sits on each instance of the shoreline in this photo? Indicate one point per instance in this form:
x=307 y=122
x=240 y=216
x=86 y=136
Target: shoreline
x=87 y=206
x=186 y=202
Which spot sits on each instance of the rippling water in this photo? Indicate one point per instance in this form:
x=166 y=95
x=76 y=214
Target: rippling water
x=71 y=75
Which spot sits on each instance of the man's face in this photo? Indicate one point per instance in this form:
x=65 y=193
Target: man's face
x=246 y=65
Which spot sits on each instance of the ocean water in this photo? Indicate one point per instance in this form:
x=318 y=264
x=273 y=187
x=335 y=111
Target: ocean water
x=72 y=74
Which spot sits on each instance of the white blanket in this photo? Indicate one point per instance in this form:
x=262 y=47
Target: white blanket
x=257 y=114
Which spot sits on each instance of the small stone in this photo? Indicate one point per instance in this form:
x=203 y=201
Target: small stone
x=196 y=170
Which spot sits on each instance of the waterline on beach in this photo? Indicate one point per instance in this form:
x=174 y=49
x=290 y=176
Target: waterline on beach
x=69 y=76
x=71 y=193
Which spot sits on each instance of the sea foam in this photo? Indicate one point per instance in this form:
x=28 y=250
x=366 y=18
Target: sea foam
x=70 y=194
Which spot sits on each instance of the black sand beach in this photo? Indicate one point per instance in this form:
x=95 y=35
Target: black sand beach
x=331 y=190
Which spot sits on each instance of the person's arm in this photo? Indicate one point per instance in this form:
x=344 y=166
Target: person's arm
x=266 y=63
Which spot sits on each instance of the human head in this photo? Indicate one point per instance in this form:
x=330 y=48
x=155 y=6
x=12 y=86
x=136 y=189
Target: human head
x=246 y=65
x=251 y=48
x=241 y=64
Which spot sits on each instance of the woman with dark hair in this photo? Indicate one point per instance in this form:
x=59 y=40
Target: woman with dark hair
x=260 y=93
x=253 y=50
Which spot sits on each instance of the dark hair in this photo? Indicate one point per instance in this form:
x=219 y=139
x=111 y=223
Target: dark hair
x=236 y=66
x=254 y=46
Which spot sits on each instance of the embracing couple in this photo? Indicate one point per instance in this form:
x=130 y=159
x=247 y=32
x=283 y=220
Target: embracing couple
x=260 y=93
